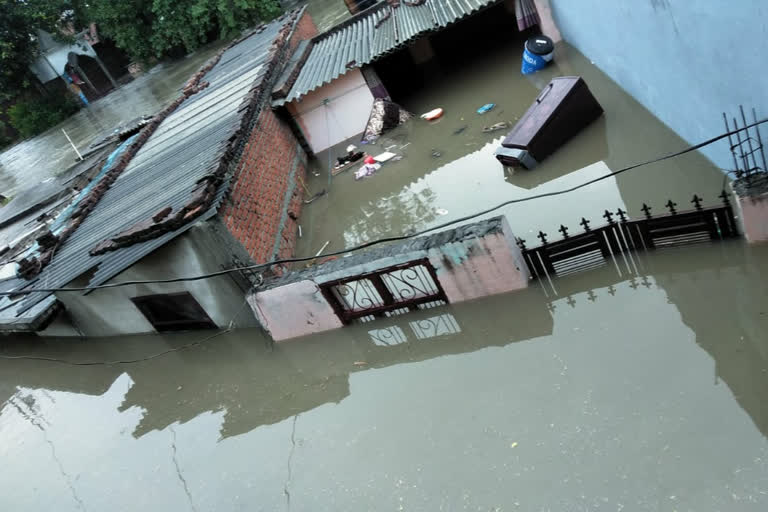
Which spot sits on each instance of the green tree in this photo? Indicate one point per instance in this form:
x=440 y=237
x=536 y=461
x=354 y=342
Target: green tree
x=129 y=23
x=147 y=29
x=19 y=22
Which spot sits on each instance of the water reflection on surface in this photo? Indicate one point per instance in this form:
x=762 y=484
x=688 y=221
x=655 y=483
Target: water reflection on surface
x=646 y=393
x=465 y=178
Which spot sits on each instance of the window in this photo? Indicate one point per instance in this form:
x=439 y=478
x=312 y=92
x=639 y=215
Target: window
x=173 y=312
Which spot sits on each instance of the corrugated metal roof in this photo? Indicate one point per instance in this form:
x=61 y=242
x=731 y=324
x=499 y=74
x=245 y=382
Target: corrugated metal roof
x=185 y=147
x=358 y=41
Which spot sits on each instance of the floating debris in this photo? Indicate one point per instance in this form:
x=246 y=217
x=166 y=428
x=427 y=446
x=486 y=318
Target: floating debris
x=433 y=114
x=486 y=108
x=315 y=197
x=495 y=127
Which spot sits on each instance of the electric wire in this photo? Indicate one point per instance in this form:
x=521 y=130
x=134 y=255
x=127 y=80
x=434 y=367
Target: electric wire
x=379 y=241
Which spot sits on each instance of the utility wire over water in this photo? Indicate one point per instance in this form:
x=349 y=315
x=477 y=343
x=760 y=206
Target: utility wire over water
x=407 y=236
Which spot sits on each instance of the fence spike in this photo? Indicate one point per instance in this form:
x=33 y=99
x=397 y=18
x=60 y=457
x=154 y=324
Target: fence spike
x=521 y=244
x=622 y=215
x=671 y=205
x=724 y=196
x=543 y=236
x=696 y=201
x=647 y=210
x=608 y=216
x=584 y=222
x=564 y=231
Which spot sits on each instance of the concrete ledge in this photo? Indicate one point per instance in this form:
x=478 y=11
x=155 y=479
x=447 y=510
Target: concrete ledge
x=470 y=261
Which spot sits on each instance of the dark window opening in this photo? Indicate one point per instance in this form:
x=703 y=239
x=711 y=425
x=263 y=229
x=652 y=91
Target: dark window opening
x=173 y=312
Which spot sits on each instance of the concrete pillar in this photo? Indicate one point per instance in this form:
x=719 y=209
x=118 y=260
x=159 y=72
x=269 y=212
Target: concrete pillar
x=752 y=210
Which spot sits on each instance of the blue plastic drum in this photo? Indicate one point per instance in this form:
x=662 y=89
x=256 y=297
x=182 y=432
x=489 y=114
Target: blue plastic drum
x=537 y=54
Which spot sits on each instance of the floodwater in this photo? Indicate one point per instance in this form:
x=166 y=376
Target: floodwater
x=421 y=190
x=641 y=387
x=35 y=160
x=642 y=394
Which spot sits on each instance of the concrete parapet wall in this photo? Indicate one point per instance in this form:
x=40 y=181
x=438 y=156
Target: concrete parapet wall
x=294 y=310
x=753 y=214
x=470 y=262
x=474 y=268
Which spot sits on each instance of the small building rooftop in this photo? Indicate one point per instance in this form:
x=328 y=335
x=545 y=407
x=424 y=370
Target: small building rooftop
x=373 y=34
x=188 y=146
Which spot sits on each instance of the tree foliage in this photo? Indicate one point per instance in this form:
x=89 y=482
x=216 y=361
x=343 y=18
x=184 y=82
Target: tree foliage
x=19 y=22
x=147 y=29
x=144 y=29
x=34 y=116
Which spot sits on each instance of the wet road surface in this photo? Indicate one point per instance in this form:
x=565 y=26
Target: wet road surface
x=641 y=394
x=38 y=159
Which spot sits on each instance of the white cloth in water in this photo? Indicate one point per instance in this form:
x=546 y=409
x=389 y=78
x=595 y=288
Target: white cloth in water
x=366 y=170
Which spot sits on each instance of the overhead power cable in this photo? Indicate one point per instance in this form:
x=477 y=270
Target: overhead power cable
x=379 y=241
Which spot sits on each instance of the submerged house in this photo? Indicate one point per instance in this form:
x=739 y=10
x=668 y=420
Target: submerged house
x=213 y=182
x=331 y=83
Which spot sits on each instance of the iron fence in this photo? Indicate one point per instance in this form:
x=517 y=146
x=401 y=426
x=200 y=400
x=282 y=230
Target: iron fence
x=384 y=293
x=597 y=246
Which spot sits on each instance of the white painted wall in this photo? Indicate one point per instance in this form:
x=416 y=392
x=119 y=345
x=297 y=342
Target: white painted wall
x=343 y=117
x=110 y=312
x=54 y=56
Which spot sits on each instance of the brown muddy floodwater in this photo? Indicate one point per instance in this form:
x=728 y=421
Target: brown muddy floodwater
x=642 y=394
x=35 y=160
x=641 y=387
x=411 y=194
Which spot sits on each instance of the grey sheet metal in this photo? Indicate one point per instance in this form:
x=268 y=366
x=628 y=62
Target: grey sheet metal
x=357 y=41
x=183 y=149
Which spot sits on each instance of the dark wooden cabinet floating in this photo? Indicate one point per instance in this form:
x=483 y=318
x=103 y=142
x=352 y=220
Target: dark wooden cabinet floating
x=562 y=109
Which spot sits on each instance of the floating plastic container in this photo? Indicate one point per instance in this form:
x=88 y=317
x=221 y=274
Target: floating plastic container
x=537 y=54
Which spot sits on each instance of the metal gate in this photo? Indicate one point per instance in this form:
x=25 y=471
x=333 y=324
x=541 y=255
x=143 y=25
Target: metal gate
x=388 y=292
x=595 y=247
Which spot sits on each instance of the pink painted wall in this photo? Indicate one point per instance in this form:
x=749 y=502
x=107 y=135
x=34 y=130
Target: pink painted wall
x=754 y=218
x=467 y=269
x=480 y=267
x=293 y=310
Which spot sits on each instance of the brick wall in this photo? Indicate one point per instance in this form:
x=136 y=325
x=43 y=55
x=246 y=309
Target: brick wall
x=266 y=196
x=305 y=29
